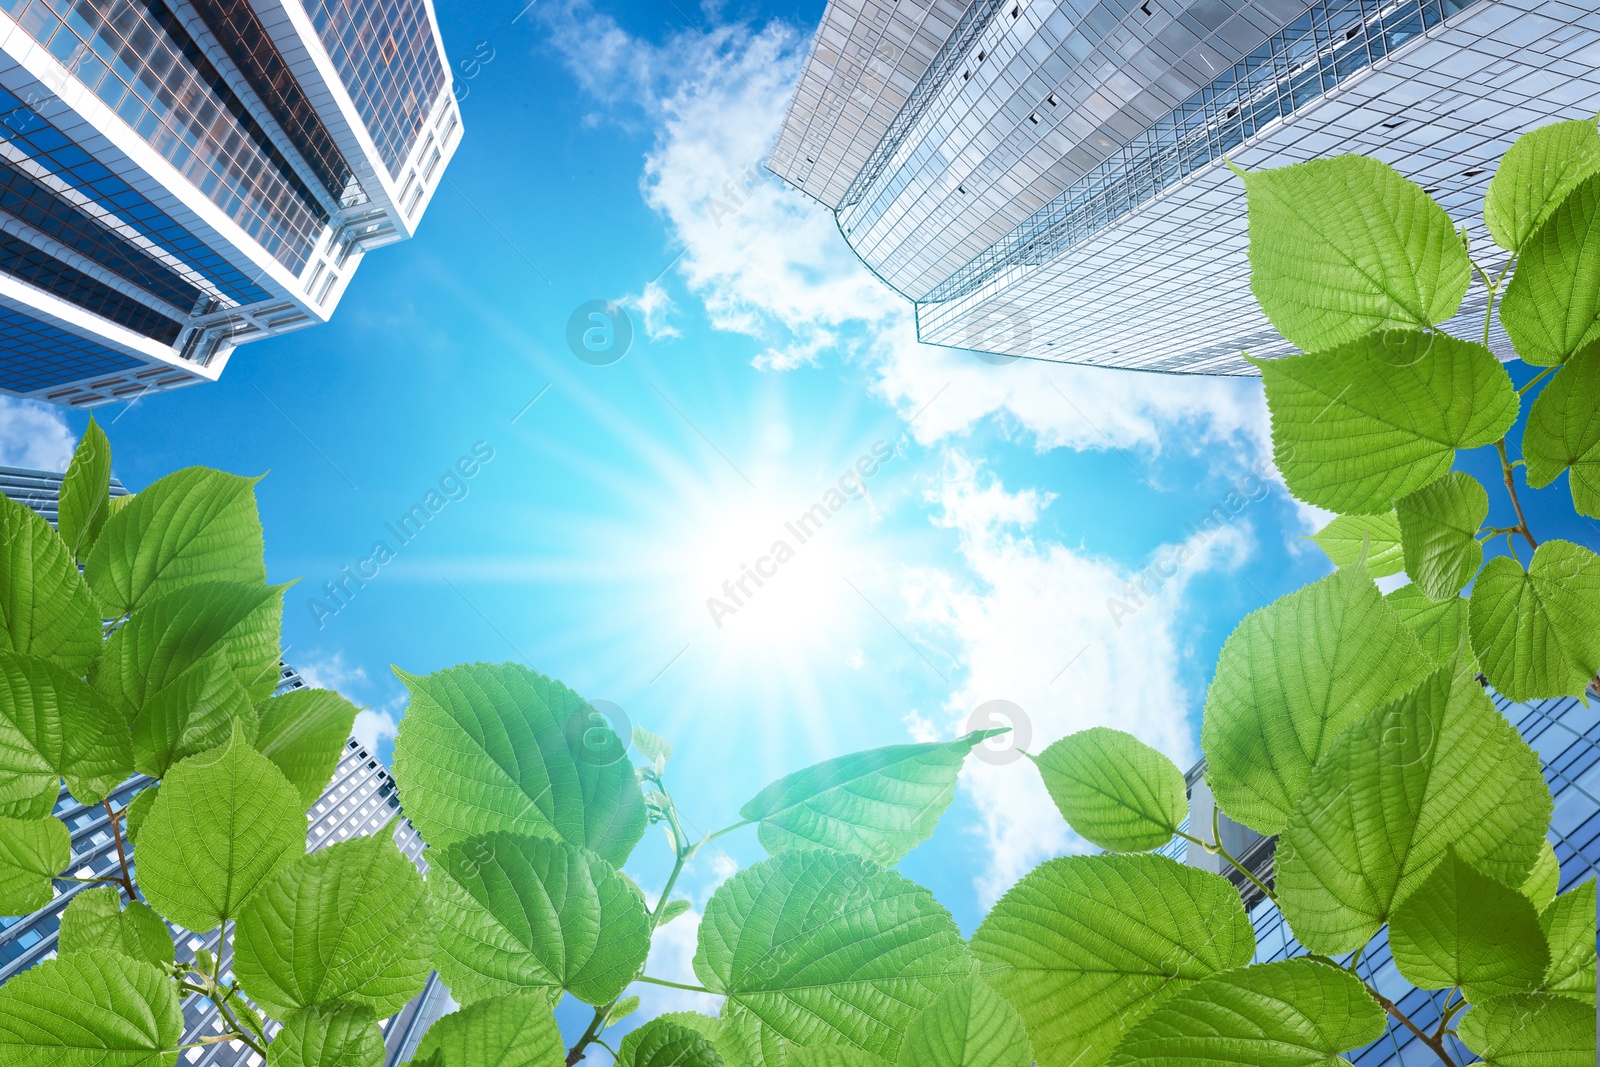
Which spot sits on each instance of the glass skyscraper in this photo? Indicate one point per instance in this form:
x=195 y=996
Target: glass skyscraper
x=1045 y=178
x=176 y=180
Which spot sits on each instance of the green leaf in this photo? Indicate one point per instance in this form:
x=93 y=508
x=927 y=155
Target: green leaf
x=1290 y=679
x=54 y=726
x=348 y=922
x=819 y=947
x=1114 y=790
x=673 y=909
x=194 y=525
x=32 y=853
x=329 y=1035
x=1531 y=1030
x=1085 y=946
x=621 y=1010
x=1294 y=1013
x=666 y=1043
x=1462 y=928
x=1382 y=416
x=1341 y=247
x=1439 y=525
x=1440 y=626
x=45 y=608
x=1437 y=769
x=504 y=1032
x=834 y=1056
x=879 y=804
x=90 y=1010
x=1352 y=538
x=1552 y=306
x=653 y=747
x=1569 y=927
x=85 y=498
x=138 y=808
x=1537 y=631
x=96 y=921
x=970 y=1025
x=304 y=732
x=1536 y=175
x=1542 y=882
x=500 y=747
x=513 y=913
x=1564 y=431
x=224 y=823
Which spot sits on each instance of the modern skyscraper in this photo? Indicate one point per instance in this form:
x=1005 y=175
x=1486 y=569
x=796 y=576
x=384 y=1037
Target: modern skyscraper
x=179 y=179
x=1045 y=178
x=359 y=800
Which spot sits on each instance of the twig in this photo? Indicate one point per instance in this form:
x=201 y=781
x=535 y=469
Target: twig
x=1511 y=487
x=122 y=855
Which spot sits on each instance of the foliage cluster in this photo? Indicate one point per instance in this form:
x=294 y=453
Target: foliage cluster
x=1352 y=725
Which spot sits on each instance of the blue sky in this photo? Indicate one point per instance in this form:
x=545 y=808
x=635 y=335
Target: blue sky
x=612 y=154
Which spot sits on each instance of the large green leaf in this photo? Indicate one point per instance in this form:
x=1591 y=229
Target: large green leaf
x=328 y=1035
x=45 y=607
x=1341 y=247
x=970 y=1025
x=1291 y=677
x=834 y=1056
x=1440 y=626
x=349 y=922
x=194 y=525
x=1552 y=306
x=820 y=947
x=1569 y=927
x=90 y=1010
x=1542 y=882
x=85 y=499
x=1439 y=525
x=1535 y=176
x=879 y=804
x=1536 y=632
x=1295 y=1013
x=304 y=732
x=32 y=853
x=1563 y=432
x=1531 y=1030
x=504 y=1032
x=1381 y=416
x=1462 y=928
x=96 y=921
x=1353 y=538
x=1114 y=790
x=1087 y=945
x=500 y=747
x=517 y=912
x=54 y=726
x=1438 y=769
x=666 y=1043
x=223 y=824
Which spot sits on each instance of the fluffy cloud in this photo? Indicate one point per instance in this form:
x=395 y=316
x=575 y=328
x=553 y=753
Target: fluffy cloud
x=372 y=725
x=34 y=435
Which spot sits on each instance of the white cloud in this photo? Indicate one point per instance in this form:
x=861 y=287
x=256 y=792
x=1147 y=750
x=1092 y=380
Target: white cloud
x=332 y=672
x=653 y=304
x=34 y=435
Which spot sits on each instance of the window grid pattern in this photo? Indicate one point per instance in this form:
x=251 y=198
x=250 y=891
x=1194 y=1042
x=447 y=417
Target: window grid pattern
x=141 y=63
x=22 y=260
x=386 y=56
x=36 y=355
x=33 y=135
x=41 y=491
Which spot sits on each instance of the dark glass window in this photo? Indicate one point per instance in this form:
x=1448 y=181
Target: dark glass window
x=21 y=260
x=35 y=355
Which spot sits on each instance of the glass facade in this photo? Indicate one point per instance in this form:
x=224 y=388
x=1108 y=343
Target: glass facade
x=141 y=63
x=36 y=355
x=21 y=260
x=386 y=56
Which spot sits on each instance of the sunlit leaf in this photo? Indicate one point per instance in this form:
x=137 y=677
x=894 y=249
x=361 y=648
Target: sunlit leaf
x=1114 y=790
x=304 y=732
x=834 y=1056
x=1341 y=247
x=1542 y=882
x=85 y=499
x=329 y=1035
x=1536 y=175
x=1552 y=306
x=32 y=853
x=1439 y=768
x=1531 y=1030
x=1439 y=524
x=137 y=809
x=90 y=1010
x=1290 y=679
x=1440 y=626
x=667 y=1043
x=1569 y=927
x=673 y=910
x=1563 y=432
x=653 y=747
x=53 y=726
x=45 y=607
x=492 y=747
x=1084 y=946
x=879 y=804
x=1536 y=632
x=97 y=921
x=970 y=1025
x=1347 y=537
x=514 y=1031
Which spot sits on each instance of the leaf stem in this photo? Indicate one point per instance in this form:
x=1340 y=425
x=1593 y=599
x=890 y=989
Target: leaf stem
x=1216 y=849
x=1535 y=380
x=1435 y=1042
x=672 y=985
x=575 y=1053
x=122 y=855
x=1508 y=472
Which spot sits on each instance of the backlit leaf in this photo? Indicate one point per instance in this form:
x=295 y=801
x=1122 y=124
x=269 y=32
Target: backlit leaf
x=90 y=1010
x=1114 y=790
x=53 y=726
x=32 y=853
x=304 y=732
x=1084 y=946
x=1531 y=1030
x=834 y=1056
x=1536 y=175
x=1290 y=679
x=970 y=1025
x=1436 y=769
x=653 y=747
x=45 y=607
x=1439 y=524
x=879 y=804
x=329 y=1035
x=97 y=921
x=1382 y=416
x=1569 y=927
x=1552 y=306
x=666 y=1043
x=1440 y=626
x=1536 y=632
x=1563 y=431
x=1347 y=537
x=85 y=500
x=514 y=1031
x=1542 y=882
